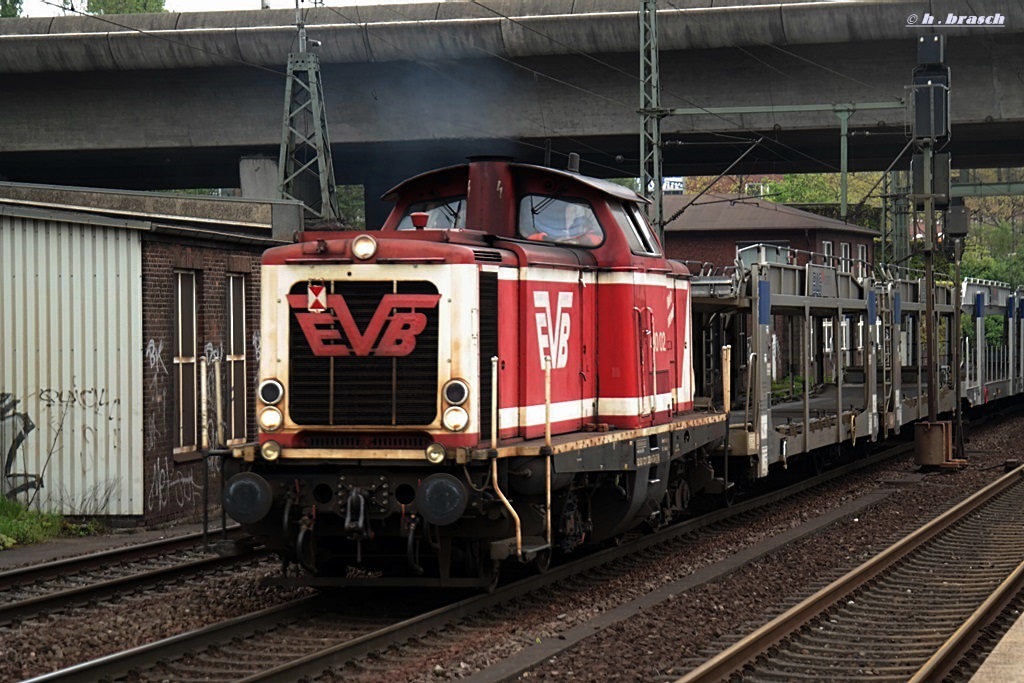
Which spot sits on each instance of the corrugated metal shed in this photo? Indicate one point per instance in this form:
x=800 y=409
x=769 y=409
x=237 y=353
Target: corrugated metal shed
x=71 y=418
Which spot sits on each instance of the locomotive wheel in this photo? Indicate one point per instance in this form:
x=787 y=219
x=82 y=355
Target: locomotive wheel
x=490 y=573
x=542 y=561
x=728 y=496
x=613 y=542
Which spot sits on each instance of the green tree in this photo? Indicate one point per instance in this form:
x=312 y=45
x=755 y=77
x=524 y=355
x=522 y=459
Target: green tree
x=824 y=188
x=10 y=8
x=807 y=188
x=992 y=248
x=352 y=206
x=124 y=6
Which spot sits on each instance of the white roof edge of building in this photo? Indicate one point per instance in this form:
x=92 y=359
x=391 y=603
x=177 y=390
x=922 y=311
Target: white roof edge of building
x=10 y=207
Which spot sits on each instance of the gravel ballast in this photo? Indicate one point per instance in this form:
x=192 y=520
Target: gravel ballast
x=662 y=642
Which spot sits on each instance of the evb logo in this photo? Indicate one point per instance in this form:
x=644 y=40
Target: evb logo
x=553 y=333
x=392 y=330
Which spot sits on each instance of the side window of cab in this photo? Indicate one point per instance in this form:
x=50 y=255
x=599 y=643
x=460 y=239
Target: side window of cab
x=634 y=226
x=442 y=214
x=559 y=220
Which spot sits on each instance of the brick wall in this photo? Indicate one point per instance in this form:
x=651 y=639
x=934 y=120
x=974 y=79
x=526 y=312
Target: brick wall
x=173 y=482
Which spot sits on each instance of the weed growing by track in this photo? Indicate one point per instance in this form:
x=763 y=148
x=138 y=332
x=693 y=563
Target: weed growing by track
x=21 y=526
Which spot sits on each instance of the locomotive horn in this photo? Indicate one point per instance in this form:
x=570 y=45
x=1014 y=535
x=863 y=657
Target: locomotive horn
x=441 y=499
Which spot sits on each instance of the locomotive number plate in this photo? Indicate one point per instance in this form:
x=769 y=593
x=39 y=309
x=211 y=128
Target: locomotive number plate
x=644 y=455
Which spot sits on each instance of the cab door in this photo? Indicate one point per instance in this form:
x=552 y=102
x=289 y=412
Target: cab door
x=643 y=328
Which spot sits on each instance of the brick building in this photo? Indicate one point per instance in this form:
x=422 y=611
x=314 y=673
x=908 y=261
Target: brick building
x=713 y=228
x=110 y=302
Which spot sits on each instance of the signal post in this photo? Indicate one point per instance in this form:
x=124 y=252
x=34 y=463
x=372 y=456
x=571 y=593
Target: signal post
x=933 y=439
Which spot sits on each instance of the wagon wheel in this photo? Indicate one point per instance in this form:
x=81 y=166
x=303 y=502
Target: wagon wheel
x=816 y=463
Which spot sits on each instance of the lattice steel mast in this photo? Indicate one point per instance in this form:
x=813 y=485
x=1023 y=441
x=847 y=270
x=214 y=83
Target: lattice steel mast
x=305 y=168
x=651 y=113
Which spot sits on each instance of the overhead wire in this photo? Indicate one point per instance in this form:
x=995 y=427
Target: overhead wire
x=663 y=90
x=696 y=17
x=534 y=72
x=489 y=53
x=489 y=133
x=485 y=133
x=903 y=151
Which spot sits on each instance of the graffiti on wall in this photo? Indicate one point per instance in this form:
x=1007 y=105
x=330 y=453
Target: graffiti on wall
x=14 y=430
x=80 y=405
x=256 y=344
x=213 y=354
x=84 y=424
x=155 y=361
x=171 y=486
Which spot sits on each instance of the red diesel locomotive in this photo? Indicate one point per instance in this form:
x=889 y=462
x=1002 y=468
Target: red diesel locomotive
x=504 y=370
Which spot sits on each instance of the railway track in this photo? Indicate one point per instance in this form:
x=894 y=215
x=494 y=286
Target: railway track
x=308 y=636
x=31 y=590
x=908 y=614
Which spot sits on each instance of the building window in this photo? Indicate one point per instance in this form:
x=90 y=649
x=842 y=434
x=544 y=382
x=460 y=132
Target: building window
x=844 y=252
x=755 y=189
x=186 y=414
x=862 y=259
x=236 y=360
x=826 y=248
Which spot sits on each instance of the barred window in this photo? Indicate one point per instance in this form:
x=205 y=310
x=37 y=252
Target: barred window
x=236 y=360
x=186 y=415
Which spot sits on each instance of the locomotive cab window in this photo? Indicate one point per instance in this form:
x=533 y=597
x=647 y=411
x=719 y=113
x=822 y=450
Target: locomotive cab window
x=442 y=214
x=644 y=231
x=563 y=221
x=635 y=228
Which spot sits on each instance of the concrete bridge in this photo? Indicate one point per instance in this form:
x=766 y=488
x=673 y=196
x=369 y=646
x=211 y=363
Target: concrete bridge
x=175 y=100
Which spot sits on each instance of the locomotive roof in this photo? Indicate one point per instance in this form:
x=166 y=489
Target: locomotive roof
x=605 y=186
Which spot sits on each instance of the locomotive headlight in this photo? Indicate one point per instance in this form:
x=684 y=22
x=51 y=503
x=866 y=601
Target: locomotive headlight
x=271 y=392
x=271 y=419
x=456 y=391
x=364 y=247
x=455 y=419
x=436 y=453
x=270 y=450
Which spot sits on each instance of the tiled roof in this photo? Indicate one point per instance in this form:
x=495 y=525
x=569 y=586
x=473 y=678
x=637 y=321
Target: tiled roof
x=729 y=212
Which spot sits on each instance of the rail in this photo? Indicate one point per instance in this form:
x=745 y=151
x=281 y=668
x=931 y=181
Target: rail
x=312 y=662
x=782 y=627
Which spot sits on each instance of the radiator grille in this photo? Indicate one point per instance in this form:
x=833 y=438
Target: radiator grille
x=487 y=256
x=488 y=346
x=416 y=441
x=365 y=390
